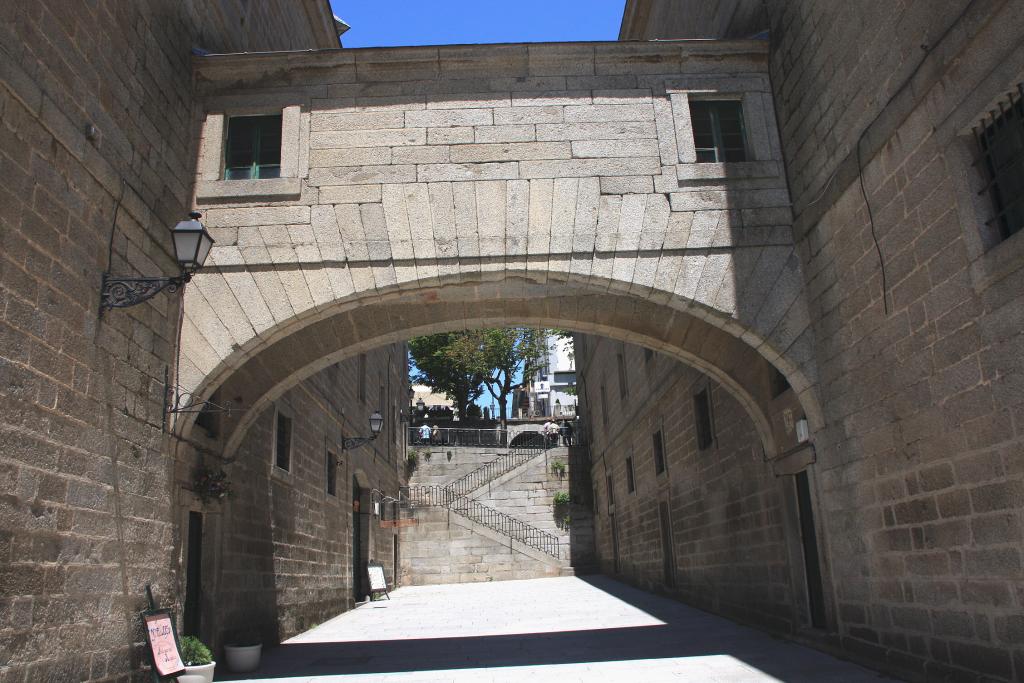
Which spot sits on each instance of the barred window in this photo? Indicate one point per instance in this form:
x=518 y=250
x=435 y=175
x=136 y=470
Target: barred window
x=1001 y=142
x=718 y=130
x=702 y=418
x=283 y=442
x=659 y=452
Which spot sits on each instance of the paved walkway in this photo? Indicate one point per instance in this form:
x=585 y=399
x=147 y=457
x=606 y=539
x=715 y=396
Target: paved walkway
x=561 y=629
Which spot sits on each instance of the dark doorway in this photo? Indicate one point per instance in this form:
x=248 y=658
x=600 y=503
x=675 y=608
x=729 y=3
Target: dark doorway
x=809 y=540
x=193 y=574
x=358 y=560
x=667 y=554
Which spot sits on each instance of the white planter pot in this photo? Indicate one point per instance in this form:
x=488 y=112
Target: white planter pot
x=191 y=678
x=242 y=658
x=204 y=670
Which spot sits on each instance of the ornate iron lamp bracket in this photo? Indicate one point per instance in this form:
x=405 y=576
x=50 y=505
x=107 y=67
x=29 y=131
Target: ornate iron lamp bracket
x=121 y=292
x=349 y=443
x=177 y=401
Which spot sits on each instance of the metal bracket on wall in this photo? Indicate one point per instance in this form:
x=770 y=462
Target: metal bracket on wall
x=178 y=401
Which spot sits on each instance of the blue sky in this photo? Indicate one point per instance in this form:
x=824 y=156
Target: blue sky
x=379 y=23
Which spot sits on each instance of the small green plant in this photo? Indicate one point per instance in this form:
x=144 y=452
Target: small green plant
x=449 y=456
x=194 y=652
x=412 y=459
x=558 y=467
x=560 y=499
x=566 y=521
x=426 y=454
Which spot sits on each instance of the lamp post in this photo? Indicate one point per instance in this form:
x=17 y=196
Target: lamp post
x=192 y=244
x=352 y=442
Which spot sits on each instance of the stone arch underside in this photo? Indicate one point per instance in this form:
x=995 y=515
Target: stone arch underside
x=252 y=375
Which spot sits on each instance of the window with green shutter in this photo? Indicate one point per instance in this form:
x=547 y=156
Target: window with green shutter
x=253 y=148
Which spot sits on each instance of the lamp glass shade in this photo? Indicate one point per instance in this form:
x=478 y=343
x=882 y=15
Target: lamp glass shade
x=192 y=244
x=376 y=422
x=420 y=404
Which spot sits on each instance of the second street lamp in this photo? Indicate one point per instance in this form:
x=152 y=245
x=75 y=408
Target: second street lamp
x=352 y=442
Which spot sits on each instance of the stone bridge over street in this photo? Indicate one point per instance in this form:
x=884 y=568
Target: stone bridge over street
x=439 y=188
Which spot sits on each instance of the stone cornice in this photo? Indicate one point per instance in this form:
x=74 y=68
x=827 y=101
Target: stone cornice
x=504 y=60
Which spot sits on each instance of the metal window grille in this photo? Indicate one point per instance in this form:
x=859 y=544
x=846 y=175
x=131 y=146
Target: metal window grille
x=332 y=474
x=253 y=148
x=283 y=442
x=702 y=417
x=659 y=452
x=718 y=133
x=1000 y=139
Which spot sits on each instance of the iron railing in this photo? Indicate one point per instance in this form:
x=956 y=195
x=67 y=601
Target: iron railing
x=505 y=524
x=490 y=471
x=451 y=436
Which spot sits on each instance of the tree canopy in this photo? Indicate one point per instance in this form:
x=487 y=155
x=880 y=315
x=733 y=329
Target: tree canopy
x=461 y=364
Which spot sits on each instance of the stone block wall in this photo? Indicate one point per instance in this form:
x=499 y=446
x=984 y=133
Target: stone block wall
x=96 y=152
x=919 y=317
x=443 y=547
x=283 y=545
x=555 y=163
x=730 y=519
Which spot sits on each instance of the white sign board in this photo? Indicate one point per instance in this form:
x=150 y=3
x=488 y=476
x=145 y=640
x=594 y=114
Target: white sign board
x=376 y=575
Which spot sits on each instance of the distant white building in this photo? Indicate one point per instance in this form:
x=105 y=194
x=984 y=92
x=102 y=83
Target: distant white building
x=551 y=391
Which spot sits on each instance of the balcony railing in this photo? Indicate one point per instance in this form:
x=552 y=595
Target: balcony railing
x=451 y=436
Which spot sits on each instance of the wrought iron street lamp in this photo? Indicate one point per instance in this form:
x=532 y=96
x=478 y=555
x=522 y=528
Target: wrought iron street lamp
x=349 y=443
x=192 y=244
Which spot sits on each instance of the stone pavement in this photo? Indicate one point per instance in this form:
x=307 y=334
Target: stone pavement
x=559 y=629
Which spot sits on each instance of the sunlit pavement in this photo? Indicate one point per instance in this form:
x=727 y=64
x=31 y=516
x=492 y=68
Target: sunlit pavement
x=560 y=629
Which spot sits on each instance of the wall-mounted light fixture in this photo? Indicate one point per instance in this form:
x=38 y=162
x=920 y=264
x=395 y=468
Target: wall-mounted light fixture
x=192 y=244
x=349 y=443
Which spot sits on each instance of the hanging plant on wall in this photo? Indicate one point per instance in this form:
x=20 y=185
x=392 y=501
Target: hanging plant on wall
x=211 y=484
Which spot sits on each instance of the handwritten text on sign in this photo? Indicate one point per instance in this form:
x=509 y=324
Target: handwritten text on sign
x=161 y=640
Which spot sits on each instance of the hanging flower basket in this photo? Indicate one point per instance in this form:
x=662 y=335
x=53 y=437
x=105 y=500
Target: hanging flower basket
x=211 y=484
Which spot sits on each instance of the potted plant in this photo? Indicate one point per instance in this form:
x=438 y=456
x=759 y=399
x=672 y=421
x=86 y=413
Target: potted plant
x=243 y=652
x=211 y=484
x=198 y=658
x=558 y=467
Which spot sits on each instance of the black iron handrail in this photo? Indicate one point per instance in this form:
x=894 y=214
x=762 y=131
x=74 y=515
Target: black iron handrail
x=490 y=471
x=503 y=523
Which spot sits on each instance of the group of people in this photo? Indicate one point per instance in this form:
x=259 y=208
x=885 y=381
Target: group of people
x=429 y=435
x=552 y=430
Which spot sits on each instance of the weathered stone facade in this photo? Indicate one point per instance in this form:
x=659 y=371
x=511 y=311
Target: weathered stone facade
x=279 y=554
x=919 y=470
x=96 y=151
x=427 y=189
x=430 y=189
x=734 y=544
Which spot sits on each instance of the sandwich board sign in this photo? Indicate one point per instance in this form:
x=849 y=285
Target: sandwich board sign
x=378 y=584
x=162 y=639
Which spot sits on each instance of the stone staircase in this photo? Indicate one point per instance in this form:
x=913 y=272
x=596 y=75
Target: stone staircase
x=494 y=520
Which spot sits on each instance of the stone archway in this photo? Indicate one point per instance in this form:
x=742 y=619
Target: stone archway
x=254 y=374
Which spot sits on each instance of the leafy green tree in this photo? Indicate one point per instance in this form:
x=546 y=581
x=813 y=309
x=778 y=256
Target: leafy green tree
x=442 y=364
x=506 y=352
